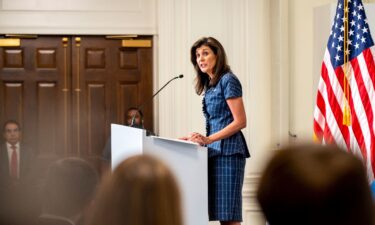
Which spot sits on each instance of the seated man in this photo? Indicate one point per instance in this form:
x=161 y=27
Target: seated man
x=315 y=185
x=134 y=118
x=69 y=188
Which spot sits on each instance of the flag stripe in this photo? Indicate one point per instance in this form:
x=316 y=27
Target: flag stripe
x=367 y=93
x=328 y=137
x=319 y=115
x=356 y=121
x=360 y=100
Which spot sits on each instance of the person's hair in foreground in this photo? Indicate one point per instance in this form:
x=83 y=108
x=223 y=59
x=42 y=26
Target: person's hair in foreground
x=69 y=187
x=317 y=185
x=141 y=191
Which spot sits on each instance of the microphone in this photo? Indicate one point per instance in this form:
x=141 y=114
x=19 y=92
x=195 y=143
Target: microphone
x=152 y=97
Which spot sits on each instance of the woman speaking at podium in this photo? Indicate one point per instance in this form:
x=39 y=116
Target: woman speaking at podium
x=225 y=116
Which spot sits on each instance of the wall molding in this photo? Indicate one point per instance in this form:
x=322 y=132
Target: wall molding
x=82 y=17
x=249 y=191
x=280 y=73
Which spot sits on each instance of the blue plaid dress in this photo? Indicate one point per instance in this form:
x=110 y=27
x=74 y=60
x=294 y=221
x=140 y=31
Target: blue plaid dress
x=226 y=157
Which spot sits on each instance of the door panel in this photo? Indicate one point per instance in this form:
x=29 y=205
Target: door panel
x=12 y=99
x=96 y=117
x=47 y=117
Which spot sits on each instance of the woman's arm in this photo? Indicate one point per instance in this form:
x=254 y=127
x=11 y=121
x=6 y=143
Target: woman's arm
x=239 y=122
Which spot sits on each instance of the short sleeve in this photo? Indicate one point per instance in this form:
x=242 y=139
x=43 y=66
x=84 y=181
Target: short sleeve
x=231 y=86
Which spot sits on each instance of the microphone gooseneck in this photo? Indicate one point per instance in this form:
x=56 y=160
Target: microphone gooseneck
x=152 y=97
x=133 y=120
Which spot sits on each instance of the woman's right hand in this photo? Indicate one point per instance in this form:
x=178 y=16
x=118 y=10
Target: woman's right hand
x=183 y=138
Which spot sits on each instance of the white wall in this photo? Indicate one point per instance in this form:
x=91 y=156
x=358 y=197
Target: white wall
x=78 y=17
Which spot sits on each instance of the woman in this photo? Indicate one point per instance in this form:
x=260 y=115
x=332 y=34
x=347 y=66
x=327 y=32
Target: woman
x=225 y=117
x=141 y=191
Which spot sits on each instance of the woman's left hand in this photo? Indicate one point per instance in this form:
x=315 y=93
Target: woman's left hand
x=200 y=139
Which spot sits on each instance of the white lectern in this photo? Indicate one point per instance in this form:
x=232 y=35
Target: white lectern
x=188 y=162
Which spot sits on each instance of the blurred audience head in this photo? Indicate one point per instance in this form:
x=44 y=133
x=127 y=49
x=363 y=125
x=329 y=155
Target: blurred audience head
x=69 y=187
x=317 y=185
x=141 y=191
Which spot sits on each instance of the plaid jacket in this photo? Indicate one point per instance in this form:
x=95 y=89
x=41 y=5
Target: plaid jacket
x=218 y=116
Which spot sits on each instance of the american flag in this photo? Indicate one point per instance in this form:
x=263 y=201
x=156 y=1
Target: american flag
x=345 y=104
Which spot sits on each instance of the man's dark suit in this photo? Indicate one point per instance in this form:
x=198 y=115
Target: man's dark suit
x=24 y=164
x=14 y=192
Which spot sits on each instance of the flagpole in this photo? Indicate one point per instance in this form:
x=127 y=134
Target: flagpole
x=346 y=99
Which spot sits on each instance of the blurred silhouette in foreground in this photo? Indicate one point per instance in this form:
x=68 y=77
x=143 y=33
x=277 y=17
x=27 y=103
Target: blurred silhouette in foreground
x=141 y=191
x=69 y=189
x=315 y=185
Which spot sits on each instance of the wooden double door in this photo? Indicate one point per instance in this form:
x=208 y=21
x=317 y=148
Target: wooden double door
x=65 y=91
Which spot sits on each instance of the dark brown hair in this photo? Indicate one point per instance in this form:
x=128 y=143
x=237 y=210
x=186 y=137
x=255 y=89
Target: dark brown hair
x=11 y=122
x=141 y=191
x=69 y=187
x=202 y=80
x=314 y=184
x=136 y=109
